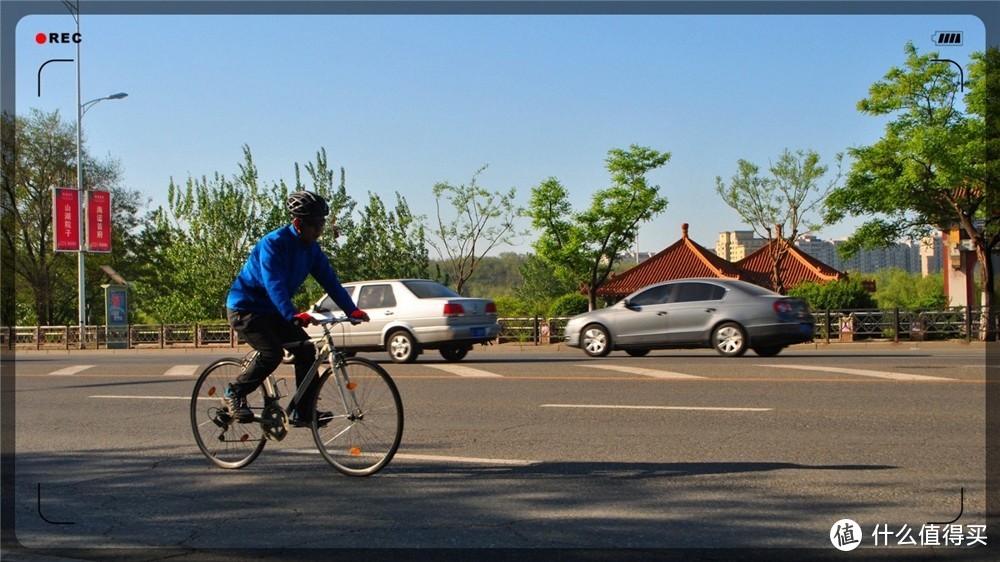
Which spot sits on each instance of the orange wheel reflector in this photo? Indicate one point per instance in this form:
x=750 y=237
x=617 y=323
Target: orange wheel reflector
x=355 y=451
x=244 y=437
x=211 y=391
x=352 y=385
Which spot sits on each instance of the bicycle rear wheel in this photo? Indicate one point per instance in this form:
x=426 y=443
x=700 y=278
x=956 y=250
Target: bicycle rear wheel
x=225 y=441
x=366 y=425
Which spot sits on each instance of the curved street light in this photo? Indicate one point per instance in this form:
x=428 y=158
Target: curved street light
x=81 y=296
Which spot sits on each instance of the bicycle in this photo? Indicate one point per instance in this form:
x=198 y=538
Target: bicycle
x=358 y=439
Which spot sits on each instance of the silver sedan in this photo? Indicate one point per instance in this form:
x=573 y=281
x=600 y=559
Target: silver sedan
x=728 y=315
x=409 y=316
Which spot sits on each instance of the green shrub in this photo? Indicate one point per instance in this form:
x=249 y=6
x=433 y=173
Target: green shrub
x=569 y=305
x=834 y=295
x=511 y=307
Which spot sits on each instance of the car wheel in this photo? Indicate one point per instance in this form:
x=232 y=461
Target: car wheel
x=637 y=352
x=596 y=341
x=402 y=347
x=454 y=352
x=730 y=340
x=768 y=351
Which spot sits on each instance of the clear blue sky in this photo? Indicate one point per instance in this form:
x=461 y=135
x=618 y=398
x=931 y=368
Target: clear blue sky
x=405 y=101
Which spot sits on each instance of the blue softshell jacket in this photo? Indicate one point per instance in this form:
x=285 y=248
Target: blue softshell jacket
x=276 y=268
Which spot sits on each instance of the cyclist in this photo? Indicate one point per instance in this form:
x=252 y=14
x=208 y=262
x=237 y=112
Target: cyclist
x=259 y=305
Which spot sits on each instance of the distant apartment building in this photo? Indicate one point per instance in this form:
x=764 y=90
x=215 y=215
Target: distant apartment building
x=738 y=244
x=924 y=256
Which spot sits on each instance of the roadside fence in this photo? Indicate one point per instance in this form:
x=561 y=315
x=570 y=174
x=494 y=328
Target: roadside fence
x=831 y=326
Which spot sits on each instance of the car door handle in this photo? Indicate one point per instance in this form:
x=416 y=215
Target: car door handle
x=710 y=310
x=388 y=313
x=661 y=313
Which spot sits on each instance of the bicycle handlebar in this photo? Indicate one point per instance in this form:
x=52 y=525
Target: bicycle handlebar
x=331 y=319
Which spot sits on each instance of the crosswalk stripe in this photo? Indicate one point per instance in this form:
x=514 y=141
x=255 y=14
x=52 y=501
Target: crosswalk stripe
x=641 y=371
x=72 y=370
x=464 y=371
x=181 y=370
x=863 y=372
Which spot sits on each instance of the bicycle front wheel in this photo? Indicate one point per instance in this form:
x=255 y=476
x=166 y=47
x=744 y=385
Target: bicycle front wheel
x=364 y=426
x=225 y=441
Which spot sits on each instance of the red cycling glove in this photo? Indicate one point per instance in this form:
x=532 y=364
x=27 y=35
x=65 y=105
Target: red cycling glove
x=302 y=319
x=360 y=315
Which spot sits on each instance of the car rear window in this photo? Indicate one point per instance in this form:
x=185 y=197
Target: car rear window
x=429 y=289
x=755 y=290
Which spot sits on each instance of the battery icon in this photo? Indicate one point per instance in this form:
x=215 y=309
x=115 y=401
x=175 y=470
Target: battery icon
x=947 y=38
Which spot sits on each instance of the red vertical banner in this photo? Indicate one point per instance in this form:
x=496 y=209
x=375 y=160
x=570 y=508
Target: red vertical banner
x=99 y=221
x=65 y=219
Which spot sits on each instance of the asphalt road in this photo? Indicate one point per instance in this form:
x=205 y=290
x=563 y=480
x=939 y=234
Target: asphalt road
x=524 y=447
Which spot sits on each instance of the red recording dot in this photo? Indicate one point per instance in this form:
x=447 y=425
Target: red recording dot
x=40 y=38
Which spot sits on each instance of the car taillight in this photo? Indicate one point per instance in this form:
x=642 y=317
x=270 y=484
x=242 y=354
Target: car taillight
x=491 y=308
x=783 y=307
x=453 y=309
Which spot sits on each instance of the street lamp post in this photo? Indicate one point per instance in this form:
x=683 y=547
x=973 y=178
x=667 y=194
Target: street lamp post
x=81 y=191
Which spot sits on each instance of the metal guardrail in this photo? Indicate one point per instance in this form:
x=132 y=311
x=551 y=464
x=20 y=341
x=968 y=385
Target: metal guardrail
x=899 y=324
x=831 y=325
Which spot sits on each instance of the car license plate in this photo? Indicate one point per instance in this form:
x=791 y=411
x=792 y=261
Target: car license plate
x=805 y=328
x=478 y=332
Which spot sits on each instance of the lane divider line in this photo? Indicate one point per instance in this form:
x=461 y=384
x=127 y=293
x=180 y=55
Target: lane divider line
x=641 y=371
x=863 y=373
x=694 y=408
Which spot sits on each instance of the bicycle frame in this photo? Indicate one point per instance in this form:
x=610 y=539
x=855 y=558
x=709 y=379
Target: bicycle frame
x=326 y=353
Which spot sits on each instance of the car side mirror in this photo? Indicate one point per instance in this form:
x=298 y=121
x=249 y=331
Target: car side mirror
x=627 y=303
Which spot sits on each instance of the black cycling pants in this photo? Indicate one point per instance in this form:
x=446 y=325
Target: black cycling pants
x=265 y=333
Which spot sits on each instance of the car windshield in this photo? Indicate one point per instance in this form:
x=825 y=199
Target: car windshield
x=429 y=289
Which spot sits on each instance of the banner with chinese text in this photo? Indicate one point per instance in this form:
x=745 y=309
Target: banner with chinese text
x=99 y=221
x=65 y=219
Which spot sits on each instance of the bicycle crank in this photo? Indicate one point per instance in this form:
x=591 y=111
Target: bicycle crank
x=274 y=421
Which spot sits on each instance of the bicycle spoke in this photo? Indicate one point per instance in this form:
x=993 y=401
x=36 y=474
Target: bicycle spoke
x=363 y=440
x=225 y=442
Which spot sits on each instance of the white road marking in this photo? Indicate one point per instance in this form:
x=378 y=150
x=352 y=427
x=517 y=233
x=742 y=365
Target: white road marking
x=621 y=407
x=438 y=458
x=72 y=370
x=464 y=371
x=139 y=397
x=644 y=372
x=863 y=373
x=181 y=370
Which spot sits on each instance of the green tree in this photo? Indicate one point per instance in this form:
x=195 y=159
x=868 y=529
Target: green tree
x=483 y=220
x=542 y=283
x=41 y=156
x=776 y=207
x=496 y=276
x=897 y=288
x=584 y=246
x=936 y=164
x=384 y=244
x=214 y=224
